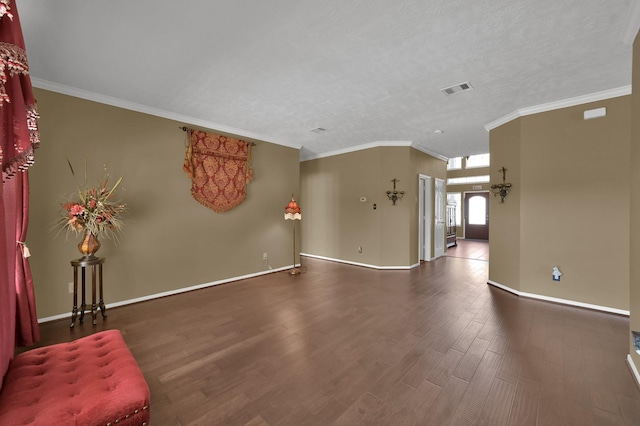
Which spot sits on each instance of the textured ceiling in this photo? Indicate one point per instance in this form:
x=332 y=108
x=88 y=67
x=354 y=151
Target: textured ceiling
x=368 y=71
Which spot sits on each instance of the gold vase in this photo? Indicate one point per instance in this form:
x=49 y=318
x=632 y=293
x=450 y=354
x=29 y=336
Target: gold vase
x=89 y=245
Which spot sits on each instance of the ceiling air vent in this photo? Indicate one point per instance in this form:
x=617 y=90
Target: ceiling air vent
x=460 y=87
x=318 y=130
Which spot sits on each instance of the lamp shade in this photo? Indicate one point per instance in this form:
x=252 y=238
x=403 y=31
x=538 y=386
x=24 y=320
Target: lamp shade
x=292 y=211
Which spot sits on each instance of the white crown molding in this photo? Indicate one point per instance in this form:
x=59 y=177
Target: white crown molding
x=565 y=103
x=369 y=146
x=108 y=100
x=429 y=152
x=353 y=149
x=560 y=301
x=630 y=30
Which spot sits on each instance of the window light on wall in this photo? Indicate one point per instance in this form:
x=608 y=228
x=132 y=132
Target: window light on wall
x=468 y=180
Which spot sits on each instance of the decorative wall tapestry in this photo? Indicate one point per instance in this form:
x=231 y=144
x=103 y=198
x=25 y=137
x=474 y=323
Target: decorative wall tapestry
x=219 y=168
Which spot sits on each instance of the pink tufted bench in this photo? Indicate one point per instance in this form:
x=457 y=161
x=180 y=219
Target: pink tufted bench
x=91 y=381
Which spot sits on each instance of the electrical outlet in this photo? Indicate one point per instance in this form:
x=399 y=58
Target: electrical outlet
x=264 y=256
x=71 y=287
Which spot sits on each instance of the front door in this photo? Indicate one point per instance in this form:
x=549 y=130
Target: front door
x=476 y=215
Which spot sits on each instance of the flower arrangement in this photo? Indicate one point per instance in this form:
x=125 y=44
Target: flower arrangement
x=96 y=210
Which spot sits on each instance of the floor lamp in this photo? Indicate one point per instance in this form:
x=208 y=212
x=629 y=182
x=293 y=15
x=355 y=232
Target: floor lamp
x=292 y=212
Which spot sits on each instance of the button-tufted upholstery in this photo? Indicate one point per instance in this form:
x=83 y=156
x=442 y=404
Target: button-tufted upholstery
x=92 y=381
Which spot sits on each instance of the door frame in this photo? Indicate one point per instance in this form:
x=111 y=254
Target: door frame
x=425 y=216
x=464 y=212
x=443 y=213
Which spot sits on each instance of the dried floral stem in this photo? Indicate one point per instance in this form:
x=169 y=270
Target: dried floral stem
x=96 y=211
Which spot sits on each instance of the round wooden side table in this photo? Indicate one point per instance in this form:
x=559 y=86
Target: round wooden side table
x=95 y=263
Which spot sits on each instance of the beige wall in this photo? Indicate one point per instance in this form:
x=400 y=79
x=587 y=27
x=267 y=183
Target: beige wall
x=395 y=221
x=336 y=223
x=573 y=194
x=575 y=174
x=170 y=240
x=504 y=229
x=634 y=300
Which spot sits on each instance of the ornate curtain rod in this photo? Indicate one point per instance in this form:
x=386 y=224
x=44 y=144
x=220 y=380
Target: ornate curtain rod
x=184 y=129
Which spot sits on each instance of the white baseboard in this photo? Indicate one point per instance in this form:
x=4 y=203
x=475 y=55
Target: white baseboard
x=171 y=292
x=214 y=283
x=561 y=301
x=366 y=265
x=634 y=370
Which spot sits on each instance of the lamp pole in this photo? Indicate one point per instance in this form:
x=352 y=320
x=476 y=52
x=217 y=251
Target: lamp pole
x=292 y=213
x=294 y=271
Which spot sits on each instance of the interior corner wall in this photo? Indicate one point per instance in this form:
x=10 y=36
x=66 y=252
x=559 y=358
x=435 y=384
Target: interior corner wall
x=634 y=279
x=170 y=241
x=336 y=223
x=573 y=195
x=505 y=221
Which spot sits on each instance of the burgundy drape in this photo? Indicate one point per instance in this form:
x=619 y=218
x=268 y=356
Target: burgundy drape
x=18 y=113
x=18 y=138
x=17 y=192
x=7 y=294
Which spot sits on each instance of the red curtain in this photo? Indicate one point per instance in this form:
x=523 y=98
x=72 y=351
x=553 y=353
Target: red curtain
x=18 y=139
x=18 y=113
x=7 y=294
x=17 y=193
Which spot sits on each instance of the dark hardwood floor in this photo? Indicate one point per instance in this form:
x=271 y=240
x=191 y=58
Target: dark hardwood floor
x=470 y=249
x=345 y=345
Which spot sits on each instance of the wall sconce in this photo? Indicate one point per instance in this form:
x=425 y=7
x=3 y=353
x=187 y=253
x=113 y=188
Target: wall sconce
x=501 y=189
x=395 y=195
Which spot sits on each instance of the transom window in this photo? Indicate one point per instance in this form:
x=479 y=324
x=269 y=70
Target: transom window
x=454 y=163
x=468 y=180
x=480 y=160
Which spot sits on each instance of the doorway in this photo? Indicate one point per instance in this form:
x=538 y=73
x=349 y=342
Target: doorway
x=476 y=215
x=424 y=217
x=439 y=213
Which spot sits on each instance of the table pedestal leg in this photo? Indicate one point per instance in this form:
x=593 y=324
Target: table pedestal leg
x=83 y=305
x=103 y=309
x=94 y=306
x=74 y=310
